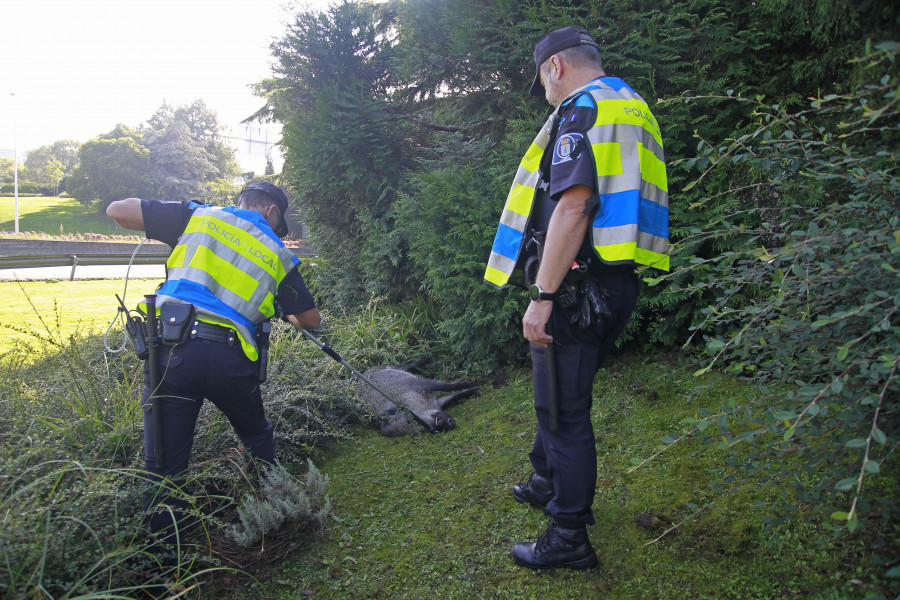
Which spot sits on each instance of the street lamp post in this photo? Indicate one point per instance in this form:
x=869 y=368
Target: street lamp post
x=15 y=164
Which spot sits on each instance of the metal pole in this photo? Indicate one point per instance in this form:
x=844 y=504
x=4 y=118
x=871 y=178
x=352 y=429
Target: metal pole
x=330 y=352
x=152 y=340
x=15 y=162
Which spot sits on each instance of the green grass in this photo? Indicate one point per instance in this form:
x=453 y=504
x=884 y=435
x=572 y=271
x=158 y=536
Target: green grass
x=424 y=516
x=432 y=516
x=55 y=216
x=49 y=309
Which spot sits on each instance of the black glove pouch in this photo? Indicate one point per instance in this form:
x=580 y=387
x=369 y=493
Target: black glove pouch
x=175 y=321
x=591 y=311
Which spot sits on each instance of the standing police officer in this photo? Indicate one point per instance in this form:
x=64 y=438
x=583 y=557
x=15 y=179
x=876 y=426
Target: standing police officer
x=227 y=269
x=591 y=197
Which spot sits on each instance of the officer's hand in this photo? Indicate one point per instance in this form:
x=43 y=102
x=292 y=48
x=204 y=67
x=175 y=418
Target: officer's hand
x=534 y=323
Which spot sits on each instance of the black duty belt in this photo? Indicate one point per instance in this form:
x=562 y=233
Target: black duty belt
x=215 y=333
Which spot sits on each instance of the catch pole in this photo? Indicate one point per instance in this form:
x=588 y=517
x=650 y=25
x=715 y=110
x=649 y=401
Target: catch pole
x=331 y=352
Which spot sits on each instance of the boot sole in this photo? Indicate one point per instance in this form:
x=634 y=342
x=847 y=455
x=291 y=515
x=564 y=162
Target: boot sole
x=588 y=562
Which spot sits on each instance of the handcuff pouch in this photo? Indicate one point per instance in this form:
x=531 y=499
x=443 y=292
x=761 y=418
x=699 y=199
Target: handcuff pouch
x=175 y=321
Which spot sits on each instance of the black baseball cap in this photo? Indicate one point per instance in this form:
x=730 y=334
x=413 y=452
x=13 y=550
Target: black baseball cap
x=553 y=42
x=275 y=193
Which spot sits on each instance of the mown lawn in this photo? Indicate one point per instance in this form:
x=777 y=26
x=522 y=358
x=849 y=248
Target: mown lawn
x=46 y=310
x=432 y=516
x=55 y=216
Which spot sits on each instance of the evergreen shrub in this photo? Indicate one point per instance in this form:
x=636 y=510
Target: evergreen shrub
x=807 y=302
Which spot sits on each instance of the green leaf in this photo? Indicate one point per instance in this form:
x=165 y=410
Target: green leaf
x=846 y=484
x=636 y=461
x=714 y=345
x=872 y=466
x=856 y=443
x=784 y=415
x=893 y=572
x=852 y=523
x=789 y=434
x=879 y=436
x=843 y=351
x=839 y=515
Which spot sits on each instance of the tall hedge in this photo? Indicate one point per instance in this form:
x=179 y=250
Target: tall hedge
x=403 y=123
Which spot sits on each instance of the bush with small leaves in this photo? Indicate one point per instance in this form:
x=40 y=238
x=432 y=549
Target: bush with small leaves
x=281 y=501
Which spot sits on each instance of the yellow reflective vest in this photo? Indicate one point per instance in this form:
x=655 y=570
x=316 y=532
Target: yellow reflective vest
x=631 y=225
x=228 y=263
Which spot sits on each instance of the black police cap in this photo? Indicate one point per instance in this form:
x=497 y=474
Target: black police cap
x=275 y=193
x=553 y=42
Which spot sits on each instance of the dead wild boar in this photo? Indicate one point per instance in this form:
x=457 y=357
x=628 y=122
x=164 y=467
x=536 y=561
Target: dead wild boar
x=416 y=394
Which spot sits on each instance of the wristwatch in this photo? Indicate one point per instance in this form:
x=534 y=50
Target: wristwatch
x=537 y=294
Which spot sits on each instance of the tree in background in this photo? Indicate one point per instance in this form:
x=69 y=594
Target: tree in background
x=66 y=152
x=348 y=146
x=187 y=151
x=113 y=166
x=179 y=154
x=7 y=166
x=179 y=167
x=44 y=169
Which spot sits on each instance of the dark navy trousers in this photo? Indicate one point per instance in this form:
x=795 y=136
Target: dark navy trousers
x=569 y=457
x=196 y=370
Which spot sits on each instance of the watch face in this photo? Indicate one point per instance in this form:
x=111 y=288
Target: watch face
x=536 y=293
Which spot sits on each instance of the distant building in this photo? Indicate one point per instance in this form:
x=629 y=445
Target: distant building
x=255 y=145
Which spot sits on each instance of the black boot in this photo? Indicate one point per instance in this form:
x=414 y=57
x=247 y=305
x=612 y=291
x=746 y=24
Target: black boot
x=537 y=491
x=557 y=548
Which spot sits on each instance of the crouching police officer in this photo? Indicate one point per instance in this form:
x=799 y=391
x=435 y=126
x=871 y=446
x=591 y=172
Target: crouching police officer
x=227 y=269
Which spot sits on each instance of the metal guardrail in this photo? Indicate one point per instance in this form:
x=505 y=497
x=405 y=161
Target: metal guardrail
x=73 y=260
x=88 y=260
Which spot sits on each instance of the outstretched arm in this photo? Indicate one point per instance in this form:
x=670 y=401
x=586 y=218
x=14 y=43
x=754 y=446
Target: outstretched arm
x=127 y=213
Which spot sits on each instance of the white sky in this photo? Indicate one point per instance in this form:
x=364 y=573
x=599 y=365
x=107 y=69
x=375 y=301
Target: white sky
x=79 y=67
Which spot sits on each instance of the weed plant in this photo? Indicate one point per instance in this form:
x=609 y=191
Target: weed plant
x=71 y=478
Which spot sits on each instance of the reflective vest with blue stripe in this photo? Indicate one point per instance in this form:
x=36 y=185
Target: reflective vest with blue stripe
x=631 y=225
x=228 y=263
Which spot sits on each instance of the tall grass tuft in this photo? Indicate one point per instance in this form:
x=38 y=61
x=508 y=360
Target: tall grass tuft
x=71 y=445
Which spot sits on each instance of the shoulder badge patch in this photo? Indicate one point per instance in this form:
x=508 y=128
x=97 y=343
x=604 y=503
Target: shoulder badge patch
x=565 y=149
